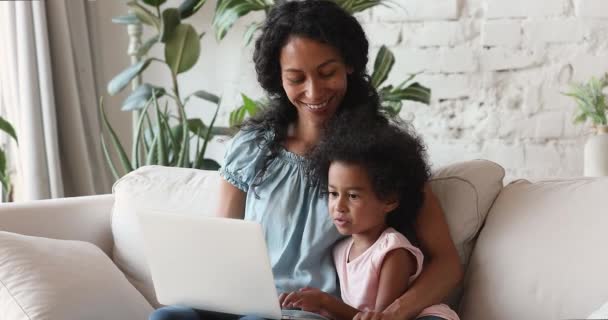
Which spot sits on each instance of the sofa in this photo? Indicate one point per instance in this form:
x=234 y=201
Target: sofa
x=531 y=250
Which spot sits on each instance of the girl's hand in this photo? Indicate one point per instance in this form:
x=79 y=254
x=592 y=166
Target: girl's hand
x=307 y=299
x=374 y=315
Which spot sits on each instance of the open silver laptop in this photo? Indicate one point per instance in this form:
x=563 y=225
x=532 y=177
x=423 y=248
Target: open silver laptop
x=213 y=264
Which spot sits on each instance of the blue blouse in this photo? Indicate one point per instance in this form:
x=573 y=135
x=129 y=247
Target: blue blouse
x=295 y=219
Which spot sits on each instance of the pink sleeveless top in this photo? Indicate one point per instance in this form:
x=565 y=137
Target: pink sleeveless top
x=359 y=277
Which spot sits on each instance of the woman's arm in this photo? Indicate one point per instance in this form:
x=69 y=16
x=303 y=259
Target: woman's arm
x=231 y=202
x=441 y=273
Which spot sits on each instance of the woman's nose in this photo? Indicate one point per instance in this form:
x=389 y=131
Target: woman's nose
x=313 y=90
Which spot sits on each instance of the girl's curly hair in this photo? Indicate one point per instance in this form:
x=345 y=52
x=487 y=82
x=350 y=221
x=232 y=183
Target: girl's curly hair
x=320 y=20
x=391 y=154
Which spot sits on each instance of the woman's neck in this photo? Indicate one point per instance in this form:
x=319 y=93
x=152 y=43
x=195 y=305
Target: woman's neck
x=302 y=137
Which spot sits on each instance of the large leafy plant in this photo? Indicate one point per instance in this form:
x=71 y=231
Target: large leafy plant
x=228 y=12
x=5 y=179
x=590 y=100
x=163 y=133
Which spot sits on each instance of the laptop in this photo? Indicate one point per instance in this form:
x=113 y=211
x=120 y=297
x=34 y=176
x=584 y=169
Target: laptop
x=213 y=264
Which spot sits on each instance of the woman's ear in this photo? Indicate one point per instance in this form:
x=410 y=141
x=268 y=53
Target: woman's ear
x=349 y=70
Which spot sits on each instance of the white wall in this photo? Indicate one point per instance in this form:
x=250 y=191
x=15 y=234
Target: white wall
x=496 y=69
x=110 y=52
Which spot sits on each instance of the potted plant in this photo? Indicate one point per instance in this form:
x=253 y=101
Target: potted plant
x=591 y=107
x=162 y=134
x=5 y=179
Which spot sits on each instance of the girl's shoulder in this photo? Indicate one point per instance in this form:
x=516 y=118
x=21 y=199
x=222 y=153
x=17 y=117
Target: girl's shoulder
x=392 y=239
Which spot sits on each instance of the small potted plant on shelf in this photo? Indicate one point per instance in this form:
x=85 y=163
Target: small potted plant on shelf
x=591 y=107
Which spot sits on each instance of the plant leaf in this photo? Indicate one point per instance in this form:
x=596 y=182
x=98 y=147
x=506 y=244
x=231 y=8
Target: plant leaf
x=382 y=66
x=228 y=11
x=146 y=46
x=161 y=146
x=135 y=153
x=126 y=19
x=197 y=127
x=121 y=80
x=109 y=161
x=354 y=6
x=190 y=7
x=122 y=155
x=8 y=128
x=205 y=95
x=170 y=20
x=154 y=3
x=208 y=164
x=182 y=49
x=251 y=29
x=3 y=163
x=413 y=92
x=144 y=15
x=141 y=96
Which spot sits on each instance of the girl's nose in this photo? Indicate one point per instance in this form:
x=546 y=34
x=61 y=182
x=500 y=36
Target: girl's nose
x=341 y=204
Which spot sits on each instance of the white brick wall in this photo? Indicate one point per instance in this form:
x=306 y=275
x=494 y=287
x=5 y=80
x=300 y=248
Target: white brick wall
x=497 y=70
x=496 y=67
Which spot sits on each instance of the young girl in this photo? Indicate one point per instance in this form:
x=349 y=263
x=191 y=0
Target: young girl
x=374 y=177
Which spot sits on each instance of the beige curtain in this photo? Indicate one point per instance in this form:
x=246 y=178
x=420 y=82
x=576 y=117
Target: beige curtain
x=49 y=91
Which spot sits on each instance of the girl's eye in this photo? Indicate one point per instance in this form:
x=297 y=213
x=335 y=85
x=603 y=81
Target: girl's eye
x=332 y=194
x=353 y=196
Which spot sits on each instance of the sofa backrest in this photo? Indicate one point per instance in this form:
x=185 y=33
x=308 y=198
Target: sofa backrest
x=541 y=253
x=176 y=190
x=465 y=192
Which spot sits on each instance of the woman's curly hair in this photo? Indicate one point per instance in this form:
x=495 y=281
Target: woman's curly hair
x=320 y=20
x=391 y=154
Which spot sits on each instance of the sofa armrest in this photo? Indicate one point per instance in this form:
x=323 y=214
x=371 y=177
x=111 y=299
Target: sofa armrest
x=80 y=218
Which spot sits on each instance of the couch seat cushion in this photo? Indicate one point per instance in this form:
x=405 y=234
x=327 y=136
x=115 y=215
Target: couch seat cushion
x=49 y=279
x=541 y=253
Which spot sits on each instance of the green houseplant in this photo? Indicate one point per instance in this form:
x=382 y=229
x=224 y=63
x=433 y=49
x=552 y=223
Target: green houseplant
x=163 y=134
x=591 y=107
x=590 y=100
x=5 y=179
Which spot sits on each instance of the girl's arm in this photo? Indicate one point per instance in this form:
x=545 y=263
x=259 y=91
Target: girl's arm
x=231 y=202
x=397 y=268
x=441 y=273
x=317 y=301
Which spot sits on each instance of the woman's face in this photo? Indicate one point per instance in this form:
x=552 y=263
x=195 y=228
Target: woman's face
x=314 y=78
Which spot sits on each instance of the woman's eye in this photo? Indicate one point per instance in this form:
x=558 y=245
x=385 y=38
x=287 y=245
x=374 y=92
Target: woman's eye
x=295 y=81
x=353 y=196
x=332 y=194
x=328 y=74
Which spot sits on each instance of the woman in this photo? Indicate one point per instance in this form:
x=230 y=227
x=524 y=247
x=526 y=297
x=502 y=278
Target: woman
x=311 y=60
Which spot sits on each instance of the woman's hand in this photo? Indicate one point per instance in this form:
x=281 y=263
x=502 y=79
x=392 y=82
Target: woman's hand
x=307 y=299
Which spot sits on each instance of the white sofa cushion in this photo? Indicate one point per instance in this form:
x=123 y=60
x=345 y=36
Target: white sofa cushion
x=537 y=256
x=176 y=190
x=465 y=191
x=49 y=279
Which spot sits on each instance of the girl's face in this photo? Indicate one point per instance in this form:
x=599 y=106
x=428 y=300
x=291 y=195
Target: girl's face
x=353 y=204
x=314 y=78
